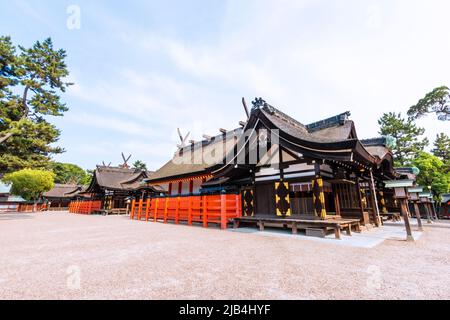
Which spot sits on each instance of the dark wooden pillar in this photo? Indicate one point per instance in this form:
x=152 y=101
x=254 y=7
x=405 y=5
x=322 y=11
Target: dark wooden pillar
x=318 y=194
x=373 y=196
x=282 y=199
x=419 y=220
x=360 y=201
x=404 y=210
x=319 y=198
x=425 y=207
x=433 y=211
x=337 y=204
x=383 y=208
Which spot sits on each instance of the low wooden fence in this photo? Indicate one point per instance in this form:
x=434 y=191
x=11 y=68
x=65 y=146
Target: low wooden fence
x=85 y=207
x=217 y=209
x=26 y=208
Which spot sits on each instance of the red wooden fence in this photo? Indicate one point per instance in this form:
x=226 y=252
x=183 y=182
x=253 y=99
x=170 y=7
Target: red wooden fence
x=218 y=209
x=85 y=207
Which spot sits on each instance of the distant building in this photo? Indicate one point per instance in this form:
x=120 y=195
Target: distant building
x=61 y=195
x=445 y=206
x=9 y=202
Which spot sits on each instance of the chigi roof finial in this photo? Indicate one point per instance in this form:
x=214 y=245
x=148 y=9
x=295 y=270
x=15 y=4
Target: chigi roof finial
x=259 y=103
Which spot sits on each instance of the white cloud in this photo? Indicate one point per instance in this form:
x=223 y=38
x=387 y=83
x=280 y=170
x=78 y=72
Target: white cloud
x=313 y=59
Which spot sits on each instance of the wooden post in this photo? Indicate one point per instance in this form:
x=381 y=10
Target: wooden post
x=155 y=212
x=133 y=204
x=403 y=207
x=223 y=211
x=165 y=209
x=190 y=212
x=177 y=211
x=90 y=207
x=419 y=220
x=319 y=198
x=294 y=228
x=428 y=213
x=337 y=232
x=375 y=208
x=358 y=192
x=238 y=206
x=433 y=211
x=140 y=209
x=205 y=212
x=147 y=209
x=337 y=205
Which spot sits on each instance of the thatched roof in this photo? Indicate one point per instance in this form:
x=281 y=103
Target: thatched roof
x=62 y=191
x=196 y=158
x=117 y=178
x=188 y=161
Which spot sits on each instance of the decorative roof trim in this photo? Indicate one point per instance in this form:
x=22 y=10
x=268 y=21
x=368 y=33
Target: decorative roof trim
x=339 y=119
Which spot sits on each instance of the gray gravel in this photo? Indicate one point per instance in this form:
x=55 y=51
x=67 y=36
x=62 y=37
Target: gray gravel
x=65 y=256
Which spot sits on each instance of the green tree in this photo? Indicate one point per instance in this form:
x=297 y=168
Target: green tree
x=432 y=174
x=30 y=82
x=407 y=135
x=436 y=101
x=442 y=148
x=67 y=173
x=138 y=164
x=30 y=184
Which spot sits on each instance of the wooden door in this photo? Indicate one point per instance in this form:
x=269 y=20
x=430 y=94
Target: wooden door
x=265 y=199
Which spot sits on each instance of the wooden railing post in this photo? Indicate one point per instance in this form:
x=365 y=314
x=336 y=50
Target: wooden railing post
x=177 y=211
x=140 y=209
x=133 y=203
x=238 y=206
x=223 y=211
x=190 y=212
x=147 y=209
x=165 y=210
x=204 y=211
x=155 y=213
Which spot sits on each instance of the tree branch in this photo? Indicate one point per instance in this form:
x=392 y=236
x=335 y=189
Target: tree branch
x=6 y=137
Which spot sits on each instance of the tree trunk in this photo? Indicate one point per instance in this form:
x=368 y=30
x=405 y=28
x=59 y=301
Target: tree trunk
x=6 y=137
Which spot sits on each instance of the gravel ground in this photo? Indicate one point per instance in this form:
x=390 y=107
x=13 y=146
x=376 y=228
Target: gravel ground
x=64 y=256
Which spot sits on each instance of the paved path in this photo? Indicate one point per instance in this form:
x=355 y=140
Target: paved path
x=64 y=256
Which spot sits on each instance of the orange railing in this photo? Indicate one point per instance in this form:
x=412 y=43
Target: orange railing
x=85 y=207
x=218 y=209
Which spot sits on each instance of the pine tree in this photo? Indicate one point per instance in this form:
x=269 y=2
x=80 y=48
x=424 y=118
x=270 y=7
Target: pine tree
x=442 y=148
x=30 y=80
x=407 y=135
x=436 y=101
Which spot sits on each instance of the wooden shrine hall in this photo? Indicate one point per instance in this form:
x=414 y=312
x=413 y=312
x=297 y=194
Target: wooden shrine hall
x=61 y=195
x=316 y=177
x=111 y=188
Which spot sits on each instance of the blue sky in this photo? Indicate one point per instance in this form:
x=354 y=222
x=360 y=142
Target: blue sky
x=144 y=68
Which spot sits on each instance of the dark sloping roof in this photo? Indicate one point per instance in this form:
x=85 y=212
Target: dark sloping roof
x=62 y=191
x=335 y=135
x=197 y=158
x=329 y=131
x=378 y=151
x=117 y=178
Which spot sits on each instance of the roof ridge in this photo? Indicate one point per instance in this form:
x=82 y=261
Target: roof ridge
x=260 y=103
x=339 y=119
